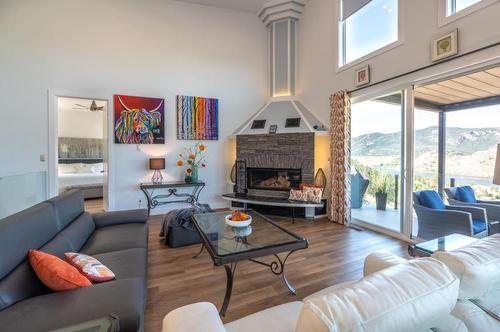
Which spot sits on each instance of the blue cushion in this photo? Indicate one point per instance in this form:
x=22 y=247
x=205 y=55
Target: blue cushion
x=431 y=200
x=466 y=194
x=478 y=226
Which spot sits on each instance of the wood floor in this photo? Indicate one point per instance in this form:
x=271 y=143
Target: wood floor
x=94 y=205
x=335 y=254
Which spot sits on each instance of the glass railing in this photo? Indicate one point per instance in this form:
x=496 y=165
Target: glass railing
x=18 y=192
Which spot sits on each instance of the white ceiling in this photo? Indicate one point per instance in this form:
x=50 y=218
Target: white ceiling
x=67 y=104
x=246 y=5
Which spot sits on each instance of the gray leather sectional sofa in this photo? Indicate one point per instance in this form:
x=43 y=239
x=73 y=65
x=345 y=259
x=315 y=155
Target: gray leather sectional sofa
x=117 y=239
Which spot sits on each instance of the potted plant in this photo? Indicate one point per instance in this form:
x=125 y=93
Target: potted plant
x=192 y=158
x=381 y=191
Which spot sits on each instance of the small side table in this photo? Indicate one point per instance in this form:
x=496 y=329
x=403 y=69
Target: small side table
x=161 y=199
x=444 y=243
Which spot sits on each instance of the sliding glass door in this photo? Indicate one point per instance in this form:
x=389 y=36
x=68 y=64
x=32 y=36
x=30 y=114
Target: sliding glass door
x=377 y=161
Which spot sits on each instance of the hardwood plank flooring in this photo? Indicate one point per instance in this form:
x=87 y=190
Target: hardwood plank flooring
x=94 y=205
x=335 y=254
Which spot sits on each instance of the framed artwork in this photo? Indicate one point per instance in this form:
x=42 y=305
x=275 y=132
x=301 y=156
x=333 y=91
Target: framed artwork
x=445 y=46
x=197 y=118
x=139 y=120
x=273 y=129
x=363 y=76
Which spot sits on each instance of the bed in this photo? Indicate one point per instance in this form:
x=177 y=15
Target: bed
x=85 y=174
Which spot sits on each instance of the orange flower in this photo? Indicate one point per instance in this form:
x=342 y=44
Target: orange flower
x=180 y=163
x=201 y=147
x=192 y=156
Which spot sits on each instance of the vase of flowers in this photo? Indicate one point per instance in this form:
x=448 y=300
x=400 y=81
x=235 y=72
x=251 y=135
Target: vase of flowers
x=193 y=159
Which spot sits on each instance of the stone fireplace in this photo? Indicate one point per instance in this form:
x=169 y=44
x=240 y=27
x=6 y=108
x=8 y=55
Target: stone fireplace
x=274 y=164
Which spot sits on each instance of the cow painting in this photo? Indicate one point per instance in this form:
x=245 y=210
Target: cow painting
x=139 y=120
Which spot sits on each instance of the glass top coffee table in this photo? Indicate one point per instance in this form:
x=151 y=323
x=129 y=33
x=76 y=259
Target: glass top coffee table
x=229 y=245
x=444 y=243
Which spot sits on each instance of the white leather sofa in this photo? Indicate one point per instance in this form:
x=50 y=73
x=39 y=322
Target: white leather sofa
x=478 y=268
x=394 y=295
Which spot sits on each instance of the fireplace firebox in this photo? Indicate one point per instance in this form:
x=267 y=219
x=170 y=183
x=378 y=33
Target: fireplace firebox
x=273 y=178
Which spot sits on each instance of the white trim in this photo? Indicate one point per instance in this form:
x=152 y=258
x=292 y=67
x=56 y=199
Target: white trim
x=289 y=56
x=302 y=116
x=400 y=41
x=444 y=20
x=409 y=150
x=252 y=118
x=382 y=230
x=273 y=57
x=53 y=134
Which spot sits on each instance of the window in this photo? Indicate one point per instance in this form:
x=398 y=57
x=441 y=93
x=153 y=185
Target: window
x=366 y=26
x=454 y=6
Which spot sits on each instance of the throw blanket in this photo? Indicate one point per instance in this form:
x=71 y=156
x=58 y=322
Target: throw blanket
x=181 y=218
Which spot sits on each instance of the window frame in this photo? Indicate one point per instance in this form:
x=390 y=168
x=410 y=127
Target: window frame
x=443 y=6
x=341 y=40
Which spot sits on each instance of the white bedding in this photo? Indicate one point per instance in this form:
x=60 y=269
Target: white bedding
x=72 y=179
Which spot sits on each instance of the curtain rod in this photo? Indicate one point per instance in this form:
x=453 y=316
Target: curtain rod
x=425 y=67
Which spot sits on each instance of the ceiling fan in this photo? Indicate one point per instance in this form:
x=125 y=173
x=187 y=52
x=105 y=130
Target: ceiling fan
x=93 y=107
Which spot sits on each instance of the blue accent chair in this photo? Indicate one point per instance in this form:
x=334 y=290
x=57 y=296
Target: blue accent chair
x=435 y=219
x=465 y=196
x=359 y=185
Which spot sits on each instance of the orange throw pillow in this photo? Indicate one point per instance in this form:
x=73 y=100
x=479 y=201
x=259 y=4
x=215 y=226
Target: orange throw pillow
x=55 y=273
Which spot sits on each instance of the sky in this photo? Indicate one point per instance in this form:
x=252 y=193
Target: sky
x=371 y=116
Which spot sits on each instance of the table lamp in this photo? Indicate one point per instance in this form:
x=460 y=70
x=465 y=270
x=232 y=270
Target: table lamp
x=496 y=174
x=157 y=164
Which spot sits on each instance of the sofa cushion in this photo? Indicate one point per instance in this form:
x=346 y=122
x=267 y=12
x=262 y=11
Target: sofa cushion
x=125 y=264
x=115 y=238
x=125 y=298
x=474 y=318
x=55 y=273
x=79 y=231
x=68 y=207
x=90 y=267
x=431 y=199
x=466 y=194
x=281 y=318
x=476 y=265
x=34 y=226
x=478 y=226
x=413 y=294
x=20 y=232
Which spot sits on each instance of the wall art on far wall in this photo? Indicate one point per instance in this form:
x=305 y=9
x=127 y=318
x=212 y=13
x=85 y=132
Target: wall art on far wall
x=363 y=75
x=445 y=46
x=197 y=118
x=139 y=120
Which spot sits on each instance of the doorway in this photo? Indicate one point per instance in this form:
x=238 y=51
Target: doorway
x=79 y=154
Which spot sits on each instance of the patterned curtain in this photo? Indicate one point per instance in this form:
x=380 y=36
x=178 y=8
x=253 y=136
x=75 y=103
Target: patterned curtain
x=339 y=201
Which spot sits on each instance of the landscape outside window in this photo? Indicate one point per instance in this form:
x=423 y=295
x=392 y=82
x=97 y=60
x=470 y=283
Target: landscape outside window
x=472 y=136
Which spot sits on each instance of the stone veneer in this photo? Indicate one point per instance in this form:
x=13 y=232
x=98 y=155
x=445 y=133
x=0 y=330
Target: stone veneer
x=295 y=150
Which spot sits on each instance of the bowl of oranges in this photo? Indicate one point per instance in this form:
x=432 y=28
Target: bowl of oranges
x=238 y=219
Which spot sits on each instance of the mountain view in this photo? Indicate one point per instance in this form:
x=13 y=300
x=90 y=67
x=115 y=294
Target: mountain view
x=469 y=151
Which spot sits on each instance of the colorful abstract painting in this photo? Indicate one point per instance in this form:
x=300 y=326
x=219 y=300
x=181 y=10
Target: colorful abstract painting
x=139 y=120
x=197 y=118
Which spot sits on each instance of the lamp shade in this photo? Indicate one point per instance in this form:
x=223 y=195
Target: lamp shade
x=496 y=174
x=156 y=163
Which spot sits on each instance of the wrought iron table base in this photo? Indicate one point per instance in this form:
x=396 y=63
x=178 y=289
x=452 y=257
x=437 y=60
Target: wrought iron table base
x=158 y=200
x=277 y=268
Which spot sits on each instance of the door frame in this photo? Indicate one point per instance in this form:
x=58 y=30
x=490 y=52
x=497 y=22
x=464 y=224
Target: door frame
x=53 y=138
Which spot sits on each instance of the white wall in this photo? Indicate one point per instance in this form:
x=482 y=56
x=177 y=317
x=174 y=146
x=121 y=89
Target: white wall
x=318 y=40
x=155 y=48
x=80 y=123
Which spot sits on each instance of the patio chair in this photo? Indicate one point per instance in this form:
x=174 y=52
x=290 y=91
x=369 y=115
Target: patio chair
x=435 y=219
x=465 y=196
x=359 y=185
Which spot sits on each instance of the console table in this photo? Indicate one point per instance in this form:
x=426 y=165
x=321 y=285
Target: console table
x=161 y=199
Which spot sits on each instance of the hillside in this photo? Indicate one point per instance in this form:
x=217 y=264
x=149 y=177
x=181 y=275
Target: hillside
x=470 y=151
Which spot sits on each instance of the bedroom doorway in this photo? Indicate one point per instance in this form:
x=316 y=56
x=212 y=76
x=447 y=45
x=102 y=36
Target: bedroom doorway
x=82 y=149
